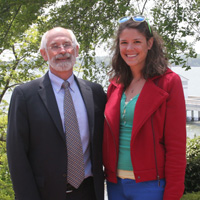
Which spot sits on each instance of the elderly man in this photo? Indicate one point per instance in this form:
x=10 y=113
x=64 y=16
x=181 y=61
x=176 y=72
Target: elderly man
x=55 y=123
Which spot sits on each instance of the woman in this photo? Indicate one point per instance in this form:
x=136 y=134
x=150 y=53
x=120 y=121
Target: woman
x=145 y=119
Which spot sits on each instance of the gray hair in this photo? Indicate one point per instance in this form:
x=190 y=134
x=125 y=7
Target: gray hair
x=43 y=43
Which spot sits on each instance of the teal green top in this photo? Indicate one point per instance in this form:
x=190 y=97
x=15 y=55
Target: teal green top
x=126 y=123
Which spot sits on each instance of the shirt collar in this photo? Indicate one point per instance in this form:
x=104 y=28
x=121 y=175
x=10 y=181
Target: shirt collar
x=57 y=82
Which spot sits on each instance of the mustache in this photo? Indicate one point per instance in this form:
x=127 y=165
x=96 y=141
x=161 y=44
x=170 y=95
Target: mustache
x=63 y=55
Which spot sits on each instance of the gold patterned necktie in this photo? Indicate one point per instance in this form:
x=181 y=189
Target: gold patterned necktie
x=75 y=161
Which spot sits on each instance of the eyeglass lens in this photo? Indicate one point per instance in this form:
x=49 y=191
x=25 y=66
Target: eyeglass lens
x=138 y=18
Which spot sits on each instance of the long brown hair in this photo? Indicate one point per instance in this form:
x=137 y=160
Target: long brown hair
x=156 y=60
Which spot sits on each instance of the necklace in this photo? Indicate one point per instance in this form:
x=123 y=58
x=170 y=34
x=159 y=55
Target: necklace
x=124 y=112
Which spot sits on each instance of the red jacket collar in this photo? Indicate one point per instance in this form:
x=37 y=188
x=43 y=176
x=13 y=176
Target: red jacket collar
x=150 y=98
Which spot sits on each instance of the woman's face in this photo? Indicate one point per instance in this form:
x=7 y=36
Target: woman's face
x=134 y=48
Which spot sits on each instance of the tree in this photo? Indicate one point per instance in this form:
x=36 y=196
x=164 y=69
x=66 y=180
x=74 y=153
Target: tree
x=176 y=19
x=17 y=16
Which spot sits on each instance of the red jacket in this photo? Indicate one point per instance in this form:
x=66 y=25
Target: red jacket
x=158 y=141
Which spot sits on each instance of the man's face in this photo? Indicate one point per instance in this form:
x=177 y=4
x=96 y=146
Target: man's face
x=60 y=51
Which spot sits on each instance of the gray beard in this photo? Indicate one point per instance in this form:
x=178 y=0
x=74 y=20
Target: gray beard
x=63 y=66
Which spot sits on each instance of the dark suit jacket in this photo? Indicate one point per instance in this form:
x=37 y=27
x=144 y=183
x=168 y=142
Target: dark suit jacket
x=36 y=145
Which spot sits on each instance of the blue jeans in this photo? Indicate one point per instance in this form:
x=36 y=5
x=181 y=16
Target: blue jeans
x=127 y=189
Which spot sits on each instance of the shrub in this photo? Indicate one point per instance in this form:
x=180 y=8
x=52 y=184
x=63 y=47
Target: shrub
x=6 y=190
x=192 y=177
x=191 y=196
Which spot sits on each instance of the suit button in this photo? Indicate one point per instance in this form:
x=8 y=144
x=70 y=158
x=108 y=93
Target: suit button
x=138 y=177
x=64 y=175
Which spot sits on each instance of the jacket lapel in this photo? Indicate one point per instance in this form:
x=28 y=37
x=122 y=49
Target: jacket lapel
x=47 y=95
x=150 y=98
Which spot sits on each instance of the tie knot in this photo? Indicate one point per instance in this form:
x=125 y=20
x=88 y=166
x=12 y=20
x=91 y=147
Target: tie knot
x=65 y=84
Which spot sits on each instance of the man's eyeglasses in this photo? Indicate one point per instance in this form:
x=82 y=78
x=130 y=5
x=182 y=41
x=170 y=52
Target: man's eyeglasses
x=58 y=47
x=136 y=18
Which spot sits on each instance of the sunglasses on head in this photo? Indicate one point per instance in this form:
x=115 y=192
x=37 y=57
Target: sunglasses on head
x=136 y=18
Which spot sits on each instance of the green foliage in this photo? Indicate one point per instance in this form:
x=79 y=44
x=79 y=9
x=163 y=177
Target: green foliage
x=16 y=17
x=174 y=21
x=192 y=177
x=191 y=196
x=19 y=41
x=6 y=191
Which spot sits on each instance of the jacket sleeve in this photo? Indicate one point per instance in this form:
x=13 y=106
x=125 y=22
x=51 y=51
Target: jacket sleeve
x=175 y=140
x=18 y=149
